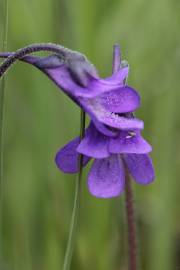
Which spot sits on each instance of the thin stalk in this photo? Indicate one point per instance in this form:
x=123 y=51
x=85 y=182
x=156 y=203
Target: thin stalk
x=50 y=47
x=2 y=97
x=132 y=241
x=75 y=213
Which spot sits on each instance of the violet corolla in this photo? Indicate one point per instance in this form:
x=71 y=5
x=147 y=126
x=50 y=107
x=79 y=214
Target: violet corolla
x=113 y=137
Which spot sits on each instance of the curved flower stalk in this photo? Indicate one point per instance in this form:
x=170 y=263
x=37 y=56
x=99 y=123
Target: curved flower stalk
x=105 y=100
x=106 y=177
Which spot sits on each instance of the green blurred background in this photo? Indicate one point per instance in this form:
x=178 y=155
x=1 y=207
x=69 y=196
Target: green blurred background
x=39 y=119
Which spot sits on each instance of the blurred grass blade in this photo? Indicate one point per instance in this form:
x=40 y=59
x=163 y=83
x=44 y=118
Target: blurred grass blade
x=2 y=84
x=4 y=4
x=74 y=219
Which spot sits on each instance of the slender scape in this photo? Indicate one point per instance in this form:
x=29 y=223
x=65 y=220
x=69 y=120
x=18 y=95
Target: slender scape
x=132 y=241
x=63 y=52
x=74 y=219
x=27 y=50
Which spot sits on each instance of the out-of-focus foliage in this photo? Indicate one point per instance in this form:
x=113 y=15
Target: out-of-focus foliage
x=39 y=119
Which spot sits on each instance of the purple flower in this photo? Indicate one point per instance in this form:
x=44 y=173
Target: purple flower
x=113 y=137
x=106 y=177
x=105 y=100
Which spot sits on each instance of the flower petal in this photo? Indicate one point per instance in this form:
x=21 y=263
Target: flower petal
x=94 y=144
x=67 y=157
x=121 y=100
x=103 y=128
x=129 y=142
x=120 y=122
x=140 y=167
x=119 y=76
x=62 y=76
x=106 y=177
x=98 y=112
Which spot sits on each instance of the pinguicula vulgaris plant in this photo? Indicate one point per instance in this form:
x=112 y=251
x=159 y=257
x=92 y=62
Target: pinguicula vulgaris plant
x=113 y=137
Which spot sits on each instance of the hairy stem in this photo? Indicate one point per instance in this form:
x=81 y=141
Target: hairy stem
x=132 y=241
x=75 y=213
x=28 y=50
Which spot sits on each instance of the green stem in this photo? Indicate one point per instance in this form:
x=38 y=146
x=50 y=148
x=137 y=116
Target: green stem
x=75 y=213
x=2 y=92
